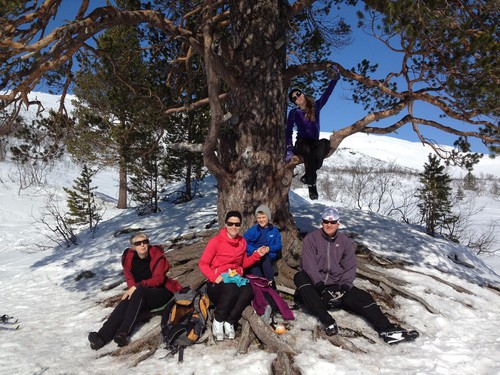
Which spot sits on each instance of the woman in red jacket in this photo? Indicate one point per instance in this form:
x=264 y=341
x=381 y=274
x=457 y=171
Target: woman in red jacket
x=222 y=262
x=145 y=269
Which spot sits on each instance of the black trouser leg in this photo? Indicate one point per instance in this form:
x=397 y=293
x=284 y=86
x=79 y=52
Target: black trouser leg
x=314 y=153
x=123 y=317
x=245 y=296
x=230 y=300
x=362 y=303
x=311 y=298
x=110 y=326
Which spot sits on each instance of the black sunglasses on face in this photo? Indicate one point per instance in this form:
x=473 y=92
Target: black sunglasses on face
x=330 y=221
x=230 y=224
x=294 y=97
x=142 y=242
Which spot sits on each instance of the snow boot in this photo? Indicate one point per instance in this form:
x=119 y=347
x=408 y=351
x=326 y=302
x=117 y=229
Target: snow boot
x=218 y=330
x=229 y=331
x=395 y=334
x=96 y=341
x=313 y=192
x=332 y=329
x=121 y=339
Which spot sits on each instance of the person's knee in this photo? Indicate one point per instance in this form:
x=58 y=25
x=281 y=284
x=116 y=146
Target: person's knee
x=138 y=293
x=301 y=278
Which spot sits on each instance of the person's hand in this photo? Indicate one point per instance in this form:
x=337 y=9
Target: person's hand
x=289 y=155
x=129 y=293
x=263 y=250
x=218 y=279
x=332 y=296
x=334 y=73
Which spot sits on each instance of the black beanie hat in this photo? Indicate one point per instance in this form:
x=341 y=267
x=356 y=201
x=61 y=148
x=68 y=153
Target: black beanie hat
x=233 y=214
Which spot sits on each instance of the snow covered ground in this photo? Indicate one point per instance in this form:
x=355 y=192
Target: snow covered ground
x=56 y=312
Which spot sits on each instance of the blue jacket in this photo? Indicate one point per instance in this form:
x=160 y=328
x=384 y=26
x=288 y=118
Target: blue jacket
x=273 y=240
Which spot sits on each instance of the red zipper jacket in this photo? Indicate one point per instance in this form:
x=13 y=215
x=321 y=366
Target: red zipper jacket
x=159 y=267
x=223 y=253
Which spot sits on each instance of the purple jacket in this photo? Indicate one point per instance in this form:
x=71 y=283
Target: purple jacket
x=331 y=260
x=260 y=285
x=297 y=118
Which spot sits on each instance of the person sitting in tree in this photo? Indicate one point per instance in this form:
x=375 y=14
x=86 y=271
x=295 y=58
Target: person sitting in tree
x=305 y=119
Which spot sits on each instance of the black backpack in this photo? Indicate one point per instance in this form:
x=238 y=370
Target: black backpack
x=184 y=320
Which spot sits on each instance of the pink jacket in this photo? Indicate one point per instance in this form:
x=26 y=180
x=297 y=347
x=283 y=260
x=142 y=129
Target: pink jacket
x=223 y=253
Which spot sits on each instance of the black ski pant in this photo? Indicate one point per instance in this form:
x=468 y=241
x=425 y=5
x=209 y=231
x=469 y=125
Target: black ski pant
x=313 y=152
x=355 y=300
x=124 y=316
x=230 y=300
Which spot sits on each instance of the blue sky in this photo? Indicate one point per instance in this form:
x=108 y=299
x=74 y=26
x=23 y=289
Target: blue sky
x=340 y=111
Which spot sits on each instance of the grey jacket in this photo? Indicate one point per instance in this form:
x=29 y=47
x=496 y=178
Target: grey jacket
x=331 y=260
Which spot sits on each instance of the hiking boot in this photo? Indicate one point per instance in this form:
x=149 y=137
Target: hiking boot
x=96 y=341
x=332 y=329
x=218 y=330
x=313 y=192
x=395 y=334
x=303 y=180
x=229 y=331
x=121 y=339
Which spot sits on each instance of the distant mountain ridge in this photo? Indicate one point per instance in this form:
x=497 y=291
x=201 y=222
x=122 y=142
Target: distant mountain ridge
x=407 y=154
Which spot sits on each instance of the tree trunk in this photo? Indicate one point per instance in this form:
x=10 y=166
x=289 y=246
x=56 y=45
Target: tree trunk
x=122 y=184
x=245 y=163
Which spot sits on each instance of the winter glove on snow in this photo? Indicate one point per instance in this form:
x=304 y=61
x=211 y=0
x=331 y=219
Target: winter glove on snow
x=334 y=73
x=332 y=296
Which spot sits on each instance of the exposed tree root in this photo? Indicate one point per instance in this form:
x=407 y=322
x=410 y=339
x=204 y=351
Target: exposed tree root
x=183 y=254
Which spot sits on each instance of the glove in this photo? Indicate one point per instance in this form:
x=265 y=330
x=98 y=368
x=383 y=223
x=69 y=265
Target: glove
x=289 y=154
x=320 y=287
x=344 y=288
x=332 y=296
x=334 y=73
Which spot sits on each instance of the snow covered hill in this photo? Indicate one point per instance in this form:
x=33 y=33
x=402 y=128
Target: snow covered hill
x=56 y=311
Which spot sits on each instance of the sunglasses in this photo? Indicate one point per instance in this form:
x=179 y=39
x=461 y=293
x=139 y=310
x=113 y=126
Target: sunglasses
x=231 y=224
x=330 y=221
x=294 y=97
x=142 y=242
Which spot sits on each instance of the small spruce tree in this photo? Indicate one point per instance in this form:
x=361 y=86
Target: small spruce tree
x=470 y=182
x=145 y=182
x=434 y=195
x=81 y=201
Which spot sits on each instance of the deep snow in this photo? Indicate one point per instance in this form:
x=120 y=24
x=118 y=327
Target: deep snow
x=38 y=287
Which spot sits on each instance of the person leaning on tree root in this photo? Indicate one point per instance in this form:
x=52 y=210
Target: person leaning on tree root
x=326 y=281
x=305 y=118
x=145 y=269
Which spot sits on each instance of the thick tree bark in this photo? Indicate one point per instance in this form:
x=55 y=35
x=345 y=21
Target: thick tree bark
x=243 y=157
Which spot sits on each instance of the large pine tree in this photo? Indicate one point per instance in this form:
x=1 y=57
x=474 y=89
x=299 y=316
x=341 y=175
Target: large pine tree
x=434 y=195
